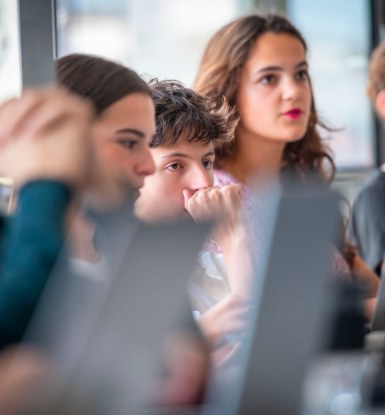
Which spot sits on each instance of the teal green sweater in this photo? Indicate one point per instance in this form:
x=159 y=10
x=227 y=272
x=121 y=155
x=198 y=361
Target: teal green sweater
x=30 y=242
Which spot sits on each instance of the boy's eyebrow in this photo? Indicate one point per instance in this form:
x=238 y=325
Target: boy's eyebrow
x=210 y=153
x=176 y=154
x=187 y=156
x=279 y=68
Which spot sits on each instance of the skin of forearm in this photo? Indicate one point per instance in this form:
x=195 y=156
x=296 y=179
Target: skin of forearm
x=235 y=246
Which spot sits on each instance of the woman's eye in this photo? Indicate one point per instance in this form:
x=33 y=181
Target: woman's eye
x=174 y=167
x=207 y=164
x=130 y=144
x=302 y=75
x=268 y=79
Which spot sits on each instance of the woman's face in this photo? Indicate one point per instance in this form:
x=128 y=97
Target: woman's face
x=274 y=94
x=121 y=135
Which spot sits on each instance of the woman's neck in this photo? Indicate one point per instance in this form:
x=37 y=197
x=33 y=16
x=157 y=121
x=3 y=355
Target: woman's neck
x=255 y=156
x=80 y=238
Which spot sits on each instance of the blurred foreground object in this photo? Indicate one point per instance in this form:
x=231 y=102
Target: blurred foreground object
x=6 y=196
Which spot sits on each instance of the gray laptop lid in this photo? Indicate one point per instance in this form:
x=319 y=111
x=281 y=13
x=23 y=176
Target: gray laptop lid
x=290 y=315
x=113 y=364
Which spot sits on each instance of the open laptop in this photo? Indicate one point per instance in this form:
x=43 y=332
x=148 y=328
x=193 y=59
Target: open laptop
x=107 y=345
x=289 y=318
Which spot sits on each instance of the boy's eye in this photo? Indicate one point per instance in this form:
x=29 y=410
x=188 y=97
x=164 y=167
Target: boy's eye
x=130 y=144
x=207 y=164
x=174 y=167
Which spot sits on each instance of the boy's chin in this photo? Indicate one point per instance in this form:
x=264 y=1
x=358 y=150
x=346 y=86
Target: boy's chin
x=182 y=216
x=135 y=194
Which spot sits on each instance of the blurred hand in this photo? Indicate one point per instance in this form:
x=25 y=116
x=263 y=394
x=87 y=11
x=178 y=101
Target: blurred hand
x=186 y=362
x=225 y=319
x=24 y=376
x=45 y=134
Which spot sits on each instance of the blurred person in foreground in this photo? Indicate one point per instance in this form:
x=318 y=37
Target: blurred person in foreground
x=118 y=149
x=45 y=148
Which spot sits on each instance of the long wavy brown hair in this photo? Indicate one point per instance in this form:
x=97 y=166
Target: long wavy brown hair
x=219 y=74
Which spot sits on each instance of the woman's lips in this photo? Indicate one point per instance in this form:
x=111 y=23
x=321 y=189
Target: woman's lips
x=293 y=113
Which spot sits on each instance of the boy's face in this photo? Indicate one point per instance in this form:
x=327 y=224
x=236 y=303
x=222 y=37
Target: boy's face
x=183 y=166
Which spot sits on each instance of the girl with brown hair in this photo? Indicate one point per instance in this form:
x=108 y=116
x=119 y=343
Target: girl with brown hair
x=259 y=64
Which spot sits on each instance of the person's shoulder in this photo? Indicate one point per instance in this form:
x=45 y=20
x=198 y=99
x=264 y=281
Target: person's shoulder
x=372 y=195
x=223 y=177
x=40 y=189
x=377 y=178
x=375 y=185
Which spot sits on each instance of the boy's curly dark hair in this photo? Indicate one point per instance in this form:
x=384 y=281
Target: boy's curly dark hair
x=182 y=114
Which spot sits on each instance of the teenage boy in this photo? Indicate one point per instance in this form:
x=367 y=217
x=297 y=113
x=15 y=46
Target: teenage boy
x=188 y=129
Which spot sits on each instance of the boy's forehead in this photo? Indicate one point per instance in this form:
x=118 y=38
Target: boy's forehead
x=184 y=146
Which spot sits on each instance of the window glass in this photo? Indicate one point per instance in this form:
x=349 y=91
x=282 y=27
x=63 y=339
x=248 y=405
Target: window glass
x=161 y=38
x=338 y=36
x=165 y=39
x=9 y=50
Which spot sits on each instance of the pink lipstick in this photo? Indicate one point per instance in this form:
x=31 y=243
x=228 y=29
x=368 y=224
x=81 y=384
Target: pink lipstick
x=294 y=113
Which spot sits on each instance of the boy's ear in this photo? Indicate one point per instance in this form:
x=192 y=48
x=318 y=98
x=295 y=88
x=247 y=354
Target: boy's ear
x=380 y=103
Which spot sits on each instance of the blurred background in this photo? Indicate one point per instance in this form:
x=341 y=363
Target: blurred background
x=165 y=39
